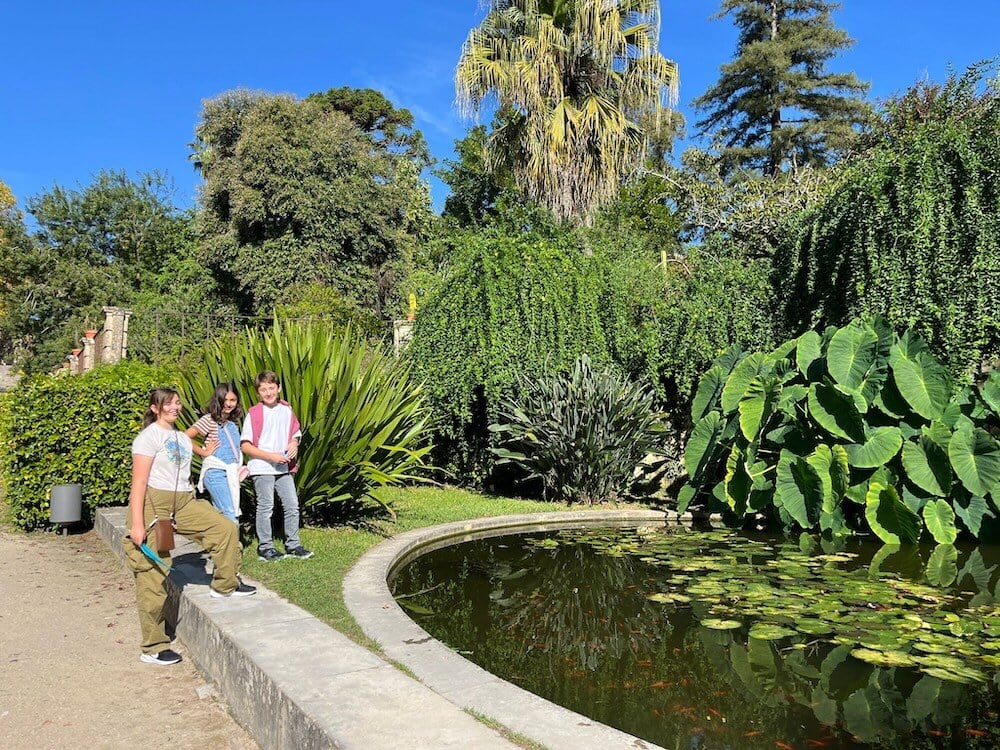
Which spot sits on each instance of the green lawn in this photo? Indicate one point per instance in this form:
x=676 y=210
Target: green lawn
x=317 y=584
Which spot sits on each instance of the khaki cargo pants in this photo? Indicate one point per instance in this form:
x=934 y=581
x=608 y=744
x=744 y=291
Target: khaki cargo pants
x=199 y=521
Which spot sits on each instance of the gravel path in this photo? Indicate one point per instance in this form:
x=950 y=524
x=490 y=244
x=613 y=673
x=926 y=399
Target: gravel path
x=70 y=674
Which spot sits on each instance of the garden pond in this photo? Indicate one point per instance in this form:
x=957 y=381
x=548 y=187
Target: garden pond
x=712 y=639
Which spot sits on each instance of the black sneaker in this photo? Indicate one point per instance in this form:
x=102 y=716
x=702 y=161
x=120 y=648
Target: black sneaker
x=269 y=555
x=300 y=552
x=165 y=657
x=241 y=590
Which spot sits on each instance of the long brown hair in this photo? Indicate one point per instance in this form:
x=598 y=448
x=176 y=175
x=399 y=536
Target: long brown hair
x=158 y=397
x=218 y=402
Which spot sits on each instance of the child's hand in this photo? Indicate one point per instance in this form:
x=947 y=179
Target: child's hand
x=277 y=458
x=293 y=449
x=210 y=446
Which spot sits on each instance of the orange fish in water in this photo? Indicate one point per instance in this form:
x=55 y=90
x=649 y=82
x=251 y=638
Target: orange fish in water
x=783 y=745
x=752 y=733
x=818 y=743
x=714 y=712
x=937 y=733
x=657 y=712
x=661 y=684
x=645 y=663
x=976 y=733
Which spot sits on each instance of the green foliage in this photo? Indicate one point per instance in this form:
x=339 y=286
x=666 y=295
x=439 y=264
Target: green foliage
x=363 y=418
x=299 y=192
x=515 y=305
x=581 y=433
x=851 y=417
x=910 y=229
x=775 y=106
x=117 y=241
x=73 y=430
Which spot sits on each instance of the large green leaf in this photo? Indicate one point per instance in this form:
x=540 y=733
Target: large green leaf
x=707 y=395
x=990 y=391
x=701 y=445
x=889 y=518
x=830 y=464
x=924 y=383
x=740 y=378
x=975 y=457
x=808 y=349
x=972 y=511
x=738 y=481
x=799 y=490
x=942 y=567
x=880 y=446
x=835 y=412
x=757 y=405
x=851 y=355
x=940 y=521
x=926 y=465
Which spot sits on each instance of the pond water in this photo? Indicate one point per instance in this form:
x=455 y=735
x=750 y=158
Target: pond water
x=704 y=640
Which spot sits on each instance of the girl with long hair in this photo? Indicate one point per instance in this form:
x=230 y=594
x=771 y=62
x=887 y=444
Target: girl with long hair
x=222 y=460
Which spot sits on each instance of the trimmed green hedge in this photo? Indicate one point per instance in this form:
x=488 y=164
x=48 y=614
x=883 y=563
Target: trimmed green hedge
x=73 y=430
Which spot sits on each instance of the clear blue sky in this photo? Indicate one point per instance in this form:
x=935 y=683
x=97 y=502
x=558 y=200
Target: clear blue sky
x=105 y=84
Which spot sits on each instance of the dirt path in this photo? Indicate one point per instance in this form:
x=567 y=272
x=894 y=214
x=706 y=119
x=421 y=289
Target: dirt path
x=70 y=674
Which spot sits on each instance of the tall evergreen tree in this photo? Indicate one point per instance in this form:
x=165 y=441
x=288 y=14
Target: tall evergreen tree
x=775 y=106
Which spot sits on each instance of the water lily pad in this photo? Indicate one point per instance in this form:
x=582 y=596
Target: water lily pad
x=668 y=597
x=812 y=626
x=714 y=624
x=888 y=658
x=964 y=675
x=765 y=631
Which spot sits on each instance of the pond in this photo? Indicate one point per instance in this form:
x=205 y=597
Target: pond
x=711 y=639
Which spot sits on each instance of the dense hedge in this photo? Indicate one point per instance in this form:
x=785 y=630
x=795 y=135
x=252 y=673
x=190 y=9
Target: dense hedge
x=912 y=231
x=72 y=430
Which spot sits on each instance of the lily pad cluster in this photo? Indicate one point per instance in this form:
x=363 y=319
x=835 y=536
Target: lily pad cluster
x=851 y=430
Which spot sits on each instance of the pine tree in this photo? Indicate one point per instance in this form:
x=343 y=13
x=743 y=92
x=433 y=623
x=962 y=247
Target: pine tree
x=775 y=107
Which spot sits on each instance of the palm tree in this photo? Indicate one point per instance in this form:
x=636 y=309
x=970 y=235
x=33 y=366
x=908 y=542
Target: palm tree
x=578 y=75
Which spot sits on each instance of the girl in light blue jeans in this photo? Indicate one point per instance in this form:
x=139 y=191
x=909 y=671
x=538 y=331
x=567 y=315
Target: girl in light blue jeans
x=222 y=460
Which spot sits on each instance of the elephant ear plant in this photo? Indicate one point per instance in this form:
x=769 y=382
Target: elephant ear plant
x=582 y=433
x=852 y=429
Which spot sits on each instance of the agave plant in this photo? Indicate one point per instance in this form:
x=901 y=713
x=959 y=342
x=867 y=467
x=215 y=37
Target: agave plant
x=363 y=417
x=852 y=429
x=582 y=433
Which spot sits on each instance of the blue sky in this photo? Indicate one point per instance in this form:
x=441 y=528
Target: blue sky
x=106 y=84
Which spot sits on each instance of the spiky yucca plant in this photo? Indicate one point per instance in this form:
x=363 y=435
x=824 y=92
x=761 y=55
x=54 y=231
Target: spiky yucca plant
x=582 y=433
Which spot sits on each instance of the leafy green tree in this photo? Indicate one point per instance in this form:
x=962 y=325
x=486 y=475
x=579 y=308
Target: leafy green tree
x=110 y=243
x=296 y=193
x=390 y=128
x=910 y=228
x=579 y=77
x=775 y=106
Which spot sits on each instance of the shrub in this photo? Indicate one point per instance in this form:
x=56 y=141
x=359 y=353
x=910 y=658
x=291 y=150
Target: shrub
x=910 y=231
x=852 y=429
x=581 y=433
x=73 y=430
x=363 y=418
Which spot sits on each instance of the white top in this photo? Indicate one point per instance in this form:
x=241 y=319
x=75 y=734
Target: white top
x=171 y=453
x=274 y=436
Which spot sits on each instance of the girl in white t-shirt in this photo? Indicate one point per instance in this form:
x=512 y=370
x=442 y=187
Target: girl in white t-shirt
x=161 y=488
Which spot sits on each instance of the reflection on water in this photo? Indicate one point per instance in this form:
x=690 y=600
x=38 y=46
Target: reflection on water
x=707 y=640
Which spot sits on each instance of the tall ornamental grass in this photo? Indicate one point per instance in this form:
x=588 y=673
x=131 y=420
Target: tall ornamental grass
x=363 y=416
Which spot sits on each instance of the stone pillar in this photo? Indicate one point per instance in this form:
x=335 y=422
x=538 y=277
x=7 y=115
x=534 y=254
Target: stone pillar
x=89 y=352
x=402 y=332
x=74 y=361
x=114 y=340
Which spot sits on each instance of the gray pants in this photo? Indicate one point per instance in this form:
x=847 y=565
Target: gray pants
x=265 y=485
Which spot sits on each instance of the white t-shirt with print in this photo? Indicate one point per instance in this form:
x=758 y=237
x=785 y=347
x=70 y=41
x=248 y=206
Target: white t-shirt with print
x=171 y=452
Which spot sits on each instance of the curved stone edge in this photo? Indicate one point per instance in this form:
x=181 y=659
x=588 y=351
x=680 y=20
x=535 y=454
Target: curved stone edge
x=368 y=598
x=294 y=682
